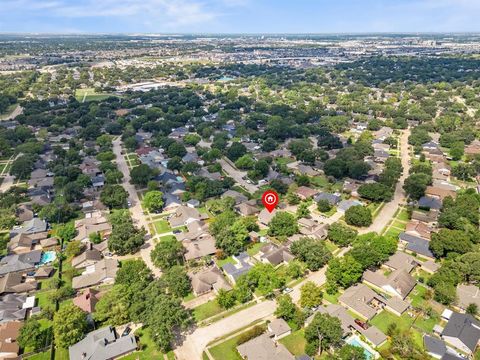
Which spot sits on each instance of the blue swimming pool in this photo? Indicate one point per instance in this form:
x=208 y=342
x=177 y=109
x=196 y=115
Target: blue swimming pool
x=48 y=257
x=355 y=342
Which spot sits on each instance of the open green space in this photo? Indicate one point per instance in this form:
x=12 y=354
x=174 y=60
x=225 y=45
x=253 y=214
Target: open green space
x=295 y=342
x=206 y=310
x=89 y=94
x=162 y=226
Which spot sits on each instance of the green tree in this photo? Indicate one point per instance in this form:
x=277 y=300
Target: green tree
x=323 y=332
x=141 y=175
x=350 y=352
x=22 y=167
x=112 y=308
x=446 y=241
x=66 y=232
x=114 y=196
x=177 y=281
x=313 y=252
x=226 y=299
x=341 y=235
x=302 y=210
x=31 y=334
x=69 y=325
x=358 y=216
x=282 y=225
x=375 y=192
x=74 y=248
x=310 y=295
x=416 y=184
x=153 y=201
x=167 y=253
x=125 y=237
x=324 y=206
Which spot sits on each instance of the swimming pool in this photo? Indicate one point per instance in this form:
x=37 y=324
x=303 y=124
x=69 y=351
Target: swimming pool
x=47 y=257
x=355 y=341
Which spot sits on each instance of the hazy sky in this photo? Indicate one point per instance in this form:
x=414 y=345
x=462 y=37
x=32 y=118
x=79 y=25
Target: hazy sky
x=239 y=16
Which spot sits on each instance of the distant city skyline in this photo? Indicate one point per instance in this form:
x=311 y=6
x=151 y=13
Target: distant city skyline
x=239 y=16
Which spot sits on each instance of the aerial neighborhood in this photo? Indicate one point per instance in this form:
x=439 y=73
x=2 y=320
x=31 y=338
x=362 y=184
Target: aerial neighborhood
x=131 y=215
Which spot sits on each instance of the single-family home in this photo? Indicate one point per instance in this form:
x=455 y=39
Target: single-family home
x=102 y=272
x=416 y=245
x=462 y=332
x=87 y=299
x=398 y=283
x=264 y=347
x=102 y=344
x=278 y=329
x=242 y=266
x=275 y=255
x=305 y=192
x=333 y=199
x=466 y=295
x=9 y=333
x=184 y=215
x=344 y=205
x=208 y=280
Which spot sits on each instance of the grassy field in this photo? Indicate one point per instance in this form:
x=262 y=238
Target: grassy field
x=147 y=349
x=254 y=249
x=89 y=94
x=295 y=342
x=206 y=310
x=162 y=226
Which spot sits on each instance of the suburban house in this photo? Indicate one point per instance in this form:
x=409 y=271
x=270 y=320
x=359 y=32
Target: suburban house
x=462 y=332
x=466 y=295
x=23 y=263
x=16 y=283
x=419 y=228
x=344 y=205
x=22 y=243
x=333 y=199
x=372 y=334
x=9 y=333
x=102 y=272
x=416 y=245
x=305 y=192
x=102 y=344
x=93 y=223
x=278 y=329
x=238 y=197
x=264 y=347
x=197 y=241
x=247 y=208
x=208 y=280
x=87 y=300
x=184 y=215
x=88 y=257
x=242 y=266
x=401 y=260
x=311 y=228
x=398 y=283
x=265 y=216
x=438 y=349
x=30 y=227
x=366 y=303
x=275 y=255
x=16 y=307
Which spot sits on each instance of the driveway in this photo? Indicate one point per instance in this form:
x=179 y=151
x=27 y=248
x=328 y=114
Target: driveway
x=237 y=175
x=389 y=209
x=136 y=208
x=195 y=343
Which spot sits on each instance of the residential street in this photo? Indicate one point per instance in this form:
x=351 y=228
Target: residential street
x=195 y=342
x=389 y=209
x=8 y=180
x=136 y=207
x=237 y=175
x=17 y=111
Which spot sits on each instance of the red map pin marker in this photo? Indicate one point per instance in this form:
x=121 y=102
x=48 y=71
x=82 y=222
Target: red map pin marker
x=270 y=200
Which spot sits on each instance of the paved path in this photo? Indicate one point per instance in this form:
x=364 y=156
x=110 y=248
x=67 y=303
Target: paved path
x=389 y=209
x=8 y=179
x=136 y=207
x=195 y=342
x=237 y=175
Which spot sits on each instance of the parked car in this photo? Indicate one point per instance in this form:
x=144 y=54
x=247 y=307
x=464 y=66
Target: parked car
x=177 y=231
x=287 y=290
x=126 y=331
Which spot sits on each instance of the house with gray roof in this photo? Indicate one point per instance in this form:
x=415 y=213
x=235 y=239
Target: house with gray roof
x=264 y=348
x=275 y=255
x=438 y=349
x=208 y=280
x=344 y=205
x=332 y=199
x=466 y=295
x=102 y=344
x=242 y=266
x=33 y=226
x=15 y=307
x=24 y=262
x=462 y=332
x=416 y=245
x=278 y=329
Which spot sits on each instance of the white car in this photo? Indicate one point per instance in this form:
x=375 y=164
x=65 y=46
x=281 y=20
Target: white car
x=287 y=290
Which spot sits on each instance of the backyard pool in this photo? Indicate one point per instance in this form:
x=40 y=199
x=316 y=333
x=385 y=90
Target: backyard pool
x=355 y=341
x=47 y=257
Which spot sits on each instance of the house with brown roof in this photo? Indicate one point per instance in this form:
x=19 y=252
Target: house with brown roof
x=366 y=303
x=88 y=257
x=247 y=208
x=399 y=283
x=419 y=228
x=197 y=241
x=264 y=347
x=16 y=283
x=87 y=300
x=208 y=280
x=9 y=333
x=184 y=215
x=265 y=216
x=439 y=192
x=275 y=255
x=473 y=148
x=305 y=192
x=311 y=228
x=401 y=261
x=94 y=223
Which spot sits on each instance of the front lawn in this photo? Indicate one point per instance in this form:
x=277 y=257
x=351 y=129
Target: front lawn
x=384 y=319
x=295 y=342
x=333 y=299
x=206 y=310
x=255 y=248
x=162 y=226
x=146 y=347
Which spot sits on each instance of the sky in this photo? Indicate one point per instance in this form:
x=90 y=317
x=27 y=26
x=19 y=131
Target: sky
x=238 y=16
